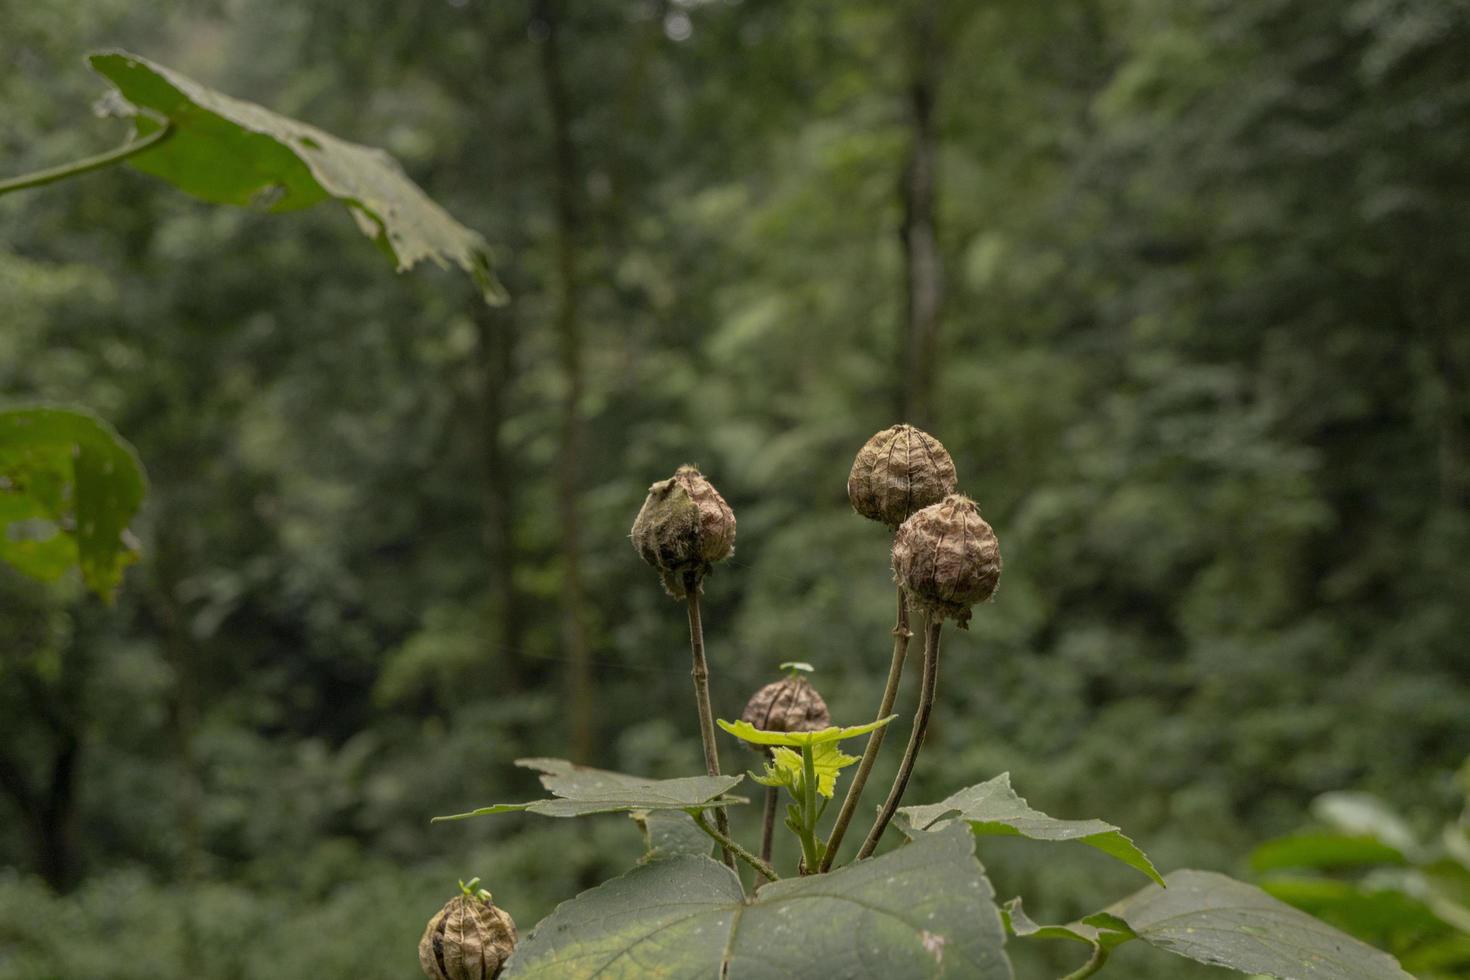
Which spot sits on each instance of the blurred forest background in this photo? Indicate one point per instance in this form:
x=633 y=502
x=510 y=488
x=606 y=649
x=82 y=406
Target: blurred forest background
x=1182 y=286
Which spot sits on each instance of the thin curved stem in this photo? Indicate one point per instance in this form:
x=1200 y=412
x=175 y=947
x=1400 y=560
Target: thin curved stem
x=901 y=635
x=730 y=845
x=932 y=626
x=701 y=698
x=76 y=168
x=1095 y=963
x=768 y=825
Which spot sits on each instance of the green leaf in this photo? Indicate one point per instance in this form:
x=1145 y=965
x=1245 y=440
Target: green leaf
x=580 y=791
x=787 y=769
x=1214 y=919
x=992 y=807
x=229 y=151
x=69 y=485
x=920 y=911
x=1101 y=929
x=1318 y=850
x=747 y=732
x=671 y=833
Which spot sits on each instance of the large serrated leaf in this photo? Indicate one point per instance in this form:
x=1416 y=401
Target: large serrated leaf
x=581 y=791
x=992 y=807
x=229 y=151
x=1217 y=920
x=69 y=485
x=922 y=911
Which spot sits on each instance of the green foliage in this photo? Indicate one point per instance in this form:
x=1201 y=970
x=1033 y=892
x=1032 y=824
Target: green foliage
x=1363 y=869
x=69 y=486
x=787 y=769
x=992 y=807
x=1214 y=919
x=747 y=732
x=894 y=916
x=228 y=151
x=581 y=791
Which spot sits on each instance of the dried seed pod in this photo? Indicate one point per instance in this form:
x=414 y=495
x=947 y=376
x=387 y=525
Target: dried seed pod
x=899 y=471
x=787 y=705
x=470 y=939
x=685 y=526
x=947 y=559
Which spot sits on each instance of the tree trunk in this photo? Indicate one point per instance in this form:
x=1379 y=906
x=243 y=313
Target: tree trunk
x=923 y=272
x=565 y=176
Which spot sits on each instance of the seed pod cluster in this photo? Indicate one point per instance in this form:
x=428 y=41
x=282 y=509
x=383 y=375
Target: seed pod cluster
x=947 y=559
x=470 y=939
x=788 y=705
x=685 y=526
x=899 y=471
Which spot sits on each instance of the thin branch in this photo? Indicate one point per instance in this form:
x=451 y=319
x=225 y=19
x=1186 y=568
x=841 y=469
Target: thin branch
x=78 y=167
x=701 y=698
x=932 y=627
x=901 y=634
x=731 y=846
x=768 y=824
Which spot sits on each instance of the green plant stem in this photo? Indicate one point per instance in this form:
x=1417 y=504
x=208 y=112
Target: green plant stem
x=762 y=868
x=901 y=635
x=76 y=168
x=1095 y=963
x=811 y=855
x=701 y=698
x=932 y=626
x=768 y=824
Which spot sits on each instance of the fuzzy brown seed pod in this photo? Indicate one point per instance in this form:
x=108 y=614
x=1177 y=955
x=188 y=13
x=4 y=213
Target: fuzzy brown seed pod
x=899 y=471
x=788 y=705
x=947 y=559
x=470 y=939
x=685 y=526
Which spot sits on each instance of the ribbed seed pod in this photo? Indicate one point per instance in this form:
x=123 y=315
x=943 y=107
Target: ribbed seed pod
x=947 y=559
x=788 y=705
x=685 y=526
x=899 y=471
x=470 y=939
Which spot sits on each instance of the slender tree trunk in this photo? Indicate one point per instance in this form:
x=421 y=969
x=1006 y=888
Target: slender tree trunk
x=496 y=355
x=923 y=271
x=569 y=340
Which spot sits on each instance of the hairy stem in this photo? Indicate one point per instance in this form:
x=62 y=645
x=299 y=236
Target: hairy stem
x=932 y=626
x=762 y=868
x=78 y=167
x=901 y=634
x=768 y=825
x=701 y=698
x=1095 y=963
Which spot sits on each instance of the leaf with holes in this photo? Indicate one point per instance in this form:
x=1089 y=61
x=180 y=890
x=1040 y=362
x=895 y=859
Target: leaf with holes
x=921 y=911
x=992 y=807
x=229 y=151
x=69 y=485
x=579 y=791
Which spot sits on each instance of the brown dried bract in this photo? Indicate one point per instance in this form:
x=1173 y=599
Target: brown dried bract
x=899 y=471
x=947 y=559
x=685 y=526
x=789 y=705
x=470 y=939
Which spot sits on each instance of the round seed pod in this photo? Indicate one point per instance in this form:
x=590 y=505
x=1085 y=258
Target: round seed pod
x=899 y=471
x=947 y=559
x=787 y=705
x=685 y=526
x=470 y=939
